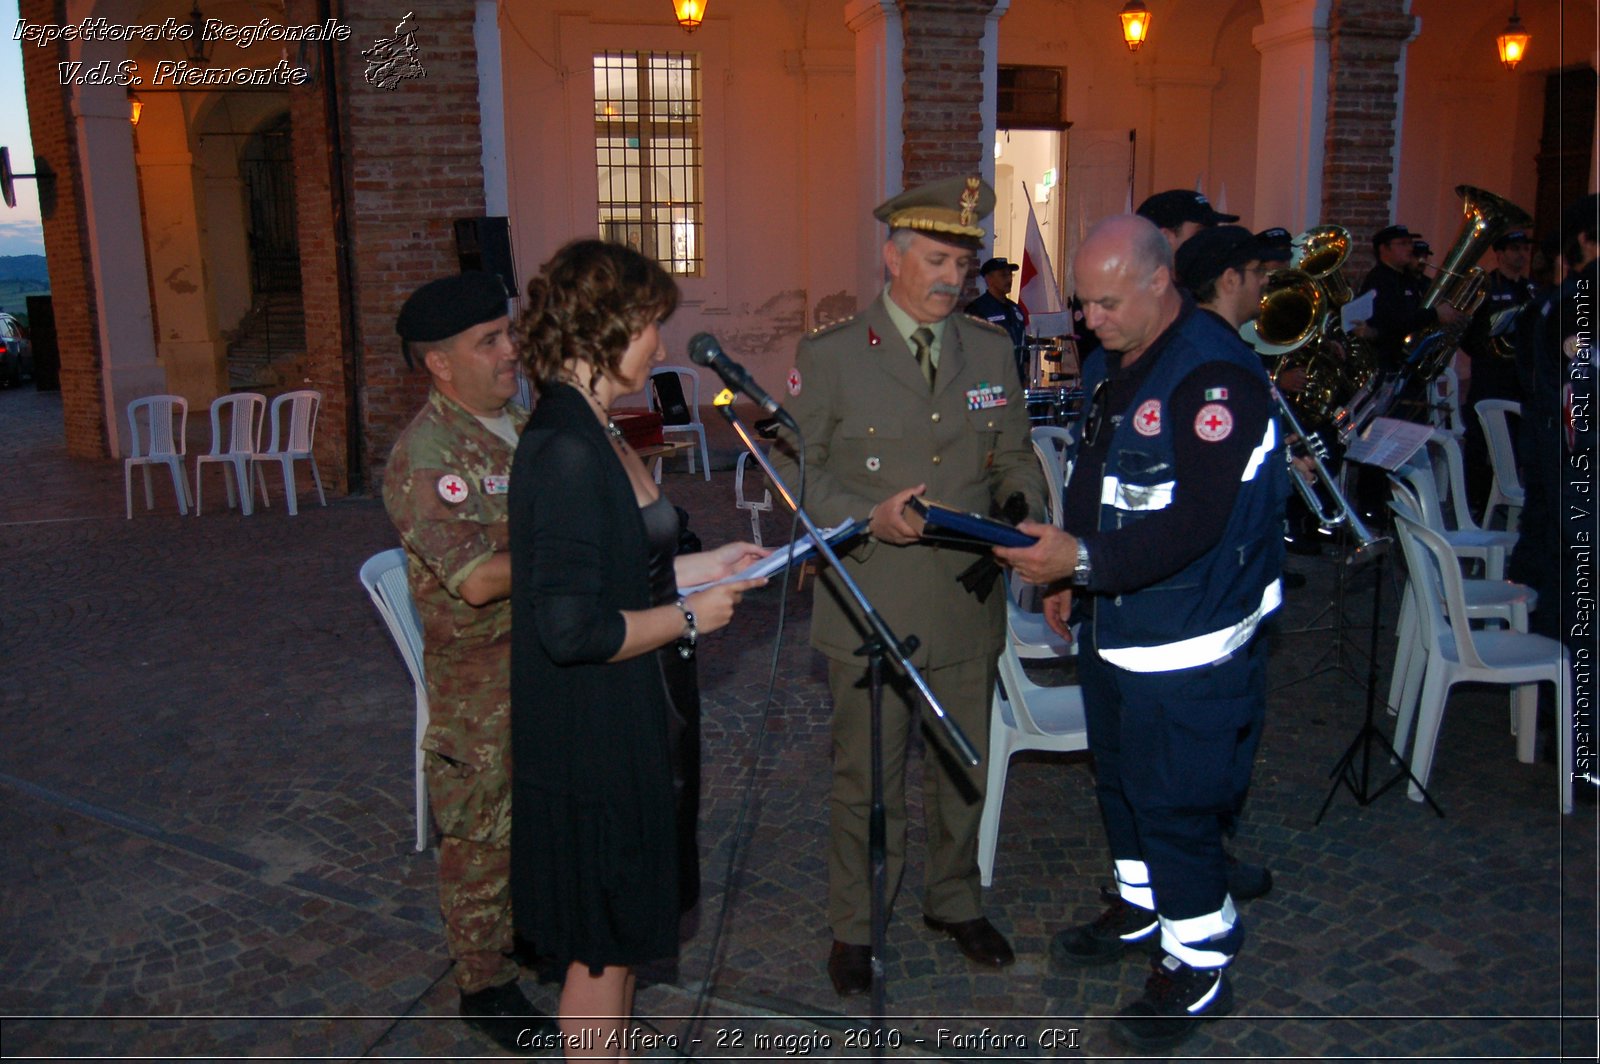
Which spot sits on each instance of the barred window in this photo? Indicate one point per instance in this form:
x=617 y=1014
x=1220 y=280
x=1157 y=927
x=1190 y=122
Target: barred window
x=647 y=140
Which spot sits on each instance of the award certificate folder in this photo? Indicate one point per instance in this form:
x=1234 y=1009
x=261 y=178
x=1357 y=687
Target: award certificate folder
x=957 y=526
x=794 y=553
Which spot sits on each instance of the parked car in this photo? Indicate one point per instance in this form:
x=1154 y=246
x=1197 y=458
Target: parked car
x=16 y=352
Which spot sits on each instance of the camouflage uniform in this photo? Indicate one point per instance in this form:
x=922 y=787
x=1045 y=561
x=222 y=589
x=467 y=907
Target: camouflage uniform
x=445 y=490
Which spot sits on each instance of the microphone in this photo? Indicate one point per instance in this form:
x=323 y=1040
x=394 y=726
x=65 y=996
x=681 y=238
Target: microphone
x=705 y=351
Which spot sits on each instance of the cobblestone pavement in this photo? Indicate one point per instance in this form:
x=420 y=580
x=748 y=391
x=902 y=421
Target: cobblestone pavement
x=205 y=835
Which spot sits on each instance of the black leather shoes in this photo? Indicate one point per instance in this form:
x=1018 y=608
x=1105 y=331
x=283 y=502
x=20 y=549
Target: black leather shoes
x=850 y=968
x=509 y=1019
x=977 y=940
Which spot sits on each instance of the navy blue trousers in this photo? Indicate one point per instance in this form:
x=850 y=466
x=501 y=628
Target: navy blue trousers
x=1173 y=753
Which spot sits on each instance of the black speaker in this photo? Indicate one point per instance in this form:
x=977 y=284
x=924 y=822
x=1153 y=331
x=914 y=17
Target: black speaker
x=484 y=243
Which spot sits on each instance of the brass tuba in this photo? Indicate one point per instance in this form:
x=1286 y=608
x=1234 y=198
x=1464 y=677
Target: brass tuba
x=1458 y=281
x=1321 y=252
x=1297 y=325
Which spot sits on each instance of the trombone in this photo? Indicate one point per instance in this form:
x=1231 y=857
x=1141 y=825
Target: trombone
x=1336 y=509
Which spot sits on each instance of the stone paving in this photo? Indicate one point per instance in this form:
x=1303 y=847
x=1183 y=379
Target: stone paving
x=205 y=841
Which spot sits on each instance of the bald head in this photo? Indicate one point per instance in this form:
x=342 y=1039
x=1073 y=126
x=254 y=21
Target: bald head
x=1124 y=281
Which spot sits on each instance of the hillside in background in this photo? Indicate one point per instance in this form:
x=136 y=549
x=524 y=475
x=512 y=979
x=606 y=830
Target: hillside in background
x=24 y=268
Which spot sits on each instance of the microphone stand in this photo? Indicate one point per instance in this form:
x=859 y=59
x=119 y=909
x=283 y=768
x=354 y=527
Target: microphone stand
x=881 y=644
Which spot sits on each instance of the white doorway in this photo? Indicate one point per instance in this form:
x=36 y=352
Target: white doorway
x=1029 y=168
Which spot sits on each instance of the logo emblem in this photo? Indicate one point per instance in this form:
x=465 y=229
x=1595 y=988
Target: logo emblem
x=794 y=381
x=873 y=464
x=1213 y=423
x=452 y=489
x=1147 y=419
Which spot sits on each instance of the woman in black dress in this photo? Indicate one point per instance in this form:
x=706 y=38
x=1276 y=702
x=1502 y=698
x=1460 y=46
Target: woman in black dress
x=601 y=643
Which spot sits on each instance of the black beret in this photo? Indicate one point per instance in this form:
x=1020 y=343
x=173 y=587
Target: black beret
x=442 y=308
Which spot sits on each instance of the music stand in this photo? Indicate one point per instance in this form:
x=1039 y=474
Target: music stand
x=881 y=644
x=1387 y=444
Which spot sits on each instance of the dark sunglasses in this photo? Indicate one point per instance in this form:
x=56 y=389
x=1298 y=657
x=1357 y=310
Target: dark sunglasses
x=1097 y=410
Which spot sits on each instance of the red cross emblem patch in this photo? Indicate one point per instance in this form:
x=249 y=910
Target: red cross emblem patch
x=452 y=489
x=1147 y=419
x=1213 y=423
x=794 y=381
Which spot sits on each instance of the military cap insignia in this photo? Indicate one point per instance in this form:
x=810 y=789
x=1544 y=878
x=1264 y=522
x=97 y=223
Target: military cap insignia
x=969 y=201
x=452 y=489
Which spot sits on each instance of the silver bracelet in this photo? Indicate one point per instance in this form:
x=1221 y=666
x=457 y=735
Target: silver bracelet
x=691 y=635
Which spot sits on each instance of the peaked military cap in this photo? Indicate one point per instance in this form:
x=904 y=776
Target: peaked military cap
x=947 y=210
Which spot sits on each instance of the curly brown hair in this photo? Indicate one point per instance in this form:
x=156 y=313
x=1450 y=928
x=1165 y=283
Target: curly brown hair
x=587 y=303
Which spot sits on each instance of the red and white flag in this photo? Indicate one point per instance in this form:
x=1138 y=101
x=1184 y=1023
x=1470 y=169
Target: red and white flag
x=1037 y=294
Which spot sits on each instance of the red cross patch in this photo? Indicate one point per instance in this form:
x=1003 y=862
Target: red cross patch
x=1147 y=419
x=794 y=381
x=452 y=489
x=1213 y=423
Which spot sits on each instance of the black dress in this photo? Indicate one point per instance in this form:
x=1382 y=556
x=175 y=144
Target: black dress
x=594 y=850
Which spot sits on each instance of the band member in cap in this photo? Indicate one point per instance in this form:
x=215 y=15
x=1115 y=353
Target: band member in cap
x=445 y=489
x=909 y=398
x=1397 y=306
x=1173 y=537
x=1181 y=213
x=995 y=306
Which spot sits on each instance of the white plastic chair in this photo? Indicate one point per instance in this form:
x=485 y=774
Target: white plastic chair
x=1503 y=601
x=1023 y=716
x=1459 y=654
x=1050 y=444
x=1444 y=413
x=1506 y=490
x=384 y=577
x=294 y=426
x=743 y=502
x=166 y=422
x=675 y=408
x=1468 y=540
x=244 y=411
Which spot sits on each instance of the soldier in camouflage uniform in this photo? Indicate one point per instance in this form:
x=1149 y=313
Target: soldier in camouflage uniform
x=446 y=489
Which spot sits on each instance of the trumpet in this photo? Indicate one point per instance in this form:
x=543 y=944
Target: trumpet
x=1335 y=510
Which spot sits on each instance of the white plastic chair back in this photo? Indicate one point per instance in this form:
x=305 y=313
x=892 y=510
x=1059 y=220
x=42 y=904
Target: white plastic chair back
x=1050 y=444
x=293 y=417
x=234 y=450
x=1458 y=654
x=1444 y=412
x=689 y=384
x=1023 y=716
x=163 y=442
x=1506 y=489
x=384 y=577
x=1470 y=542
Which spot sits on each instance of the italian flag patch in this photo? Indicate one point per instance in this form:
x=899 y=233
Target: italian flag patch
x=1215 y=394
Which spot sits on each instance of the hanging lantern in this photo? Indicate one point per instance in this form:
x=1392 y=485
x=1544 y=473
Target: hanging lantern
x=135 y=107
x=1135 y=24
x=1513 y=41
x=690 y=13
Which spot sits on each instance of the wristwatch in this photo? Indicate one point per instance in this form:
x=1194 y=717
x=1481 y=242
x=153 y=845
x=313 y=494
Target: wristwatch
x=1080 y=572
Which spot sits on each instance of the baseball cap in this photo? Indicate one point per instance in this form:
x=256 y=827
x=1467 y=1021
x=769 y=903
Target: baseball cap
x=1392 y=232
x=1205 y=255
x=997 y=264
x=1421 y=248
x=1170 y=209
x=1516 y=236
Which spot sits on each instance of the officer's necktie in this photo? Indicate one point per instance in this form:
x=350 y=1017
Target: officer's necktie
x=922 y=340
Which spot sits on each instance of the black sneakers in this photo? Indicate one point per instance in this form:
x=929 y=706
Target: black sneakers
x=508 y=1018
x=1122 y=927
x=1176 y=998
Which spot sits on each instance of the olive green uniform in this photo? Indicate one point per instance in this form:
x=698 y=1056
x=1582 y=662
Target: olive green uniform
x=872 y=428
x=446 y=491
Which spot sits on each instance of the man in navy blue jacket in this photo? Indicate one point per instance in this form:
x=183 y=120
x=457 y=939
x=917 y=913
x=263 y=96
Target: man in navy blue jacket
x=1173 y=537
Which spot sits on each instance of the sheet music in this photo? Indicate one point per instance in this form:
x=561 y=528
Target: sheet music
x=1388 y=443
x=800 y=549
x=1357 y=310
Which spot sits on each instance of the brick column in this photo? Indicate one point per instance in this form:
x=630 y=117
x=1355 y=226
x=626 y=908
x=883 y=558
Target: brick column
x=66 y=240
x=410 y=160
x=944 y=82
x=1366 y=44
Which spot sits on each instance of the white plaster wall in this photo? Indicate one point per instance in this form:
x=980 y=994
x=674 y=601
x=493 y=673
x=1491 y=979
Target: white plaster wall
x=779 y=157
x=1470 y=121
